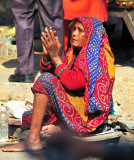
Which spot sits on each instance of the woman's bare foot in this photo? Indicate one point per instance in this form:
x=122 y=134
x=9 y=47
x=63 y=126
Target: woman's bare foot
x=23 y=146
x=50 y=129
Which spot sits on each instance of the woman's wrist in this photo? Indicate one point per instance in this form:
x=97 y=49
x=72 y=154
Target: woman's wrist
x=45 y=62
x=58 y=63
x=56 y=60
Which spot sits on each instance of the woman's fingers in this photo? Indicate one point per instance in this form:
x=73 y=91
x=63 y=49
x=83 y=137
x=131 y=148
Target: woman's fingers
x=45 y=134
x=44 y=129
x=50 y=28
x=57 y=40
x=43 y=41
x=45 y=37
x=52 y=35
x=58 y=43
x=51 y=44
x=45 y=52
x=48 y=35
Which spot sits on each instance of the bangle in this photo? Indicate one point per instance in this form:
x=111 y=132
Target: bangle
x=58 y=64
x=45 y=63
x=61 y=70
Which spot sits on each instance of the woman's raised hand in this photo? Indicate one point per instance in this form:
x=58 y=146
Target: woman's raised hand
x=51 y=45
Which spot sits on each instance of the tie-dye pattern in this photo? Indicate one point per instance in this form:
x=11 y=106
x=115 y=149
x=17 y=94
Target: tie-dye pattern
x=96 y=61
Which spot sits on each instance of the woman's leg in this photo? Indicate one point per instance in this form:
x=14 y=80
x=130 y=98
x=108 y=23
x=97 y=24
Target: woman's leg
x=33 y=140
x=39 y=108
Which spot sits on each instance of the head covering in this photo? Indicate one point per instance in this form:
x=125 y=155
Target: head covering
x=96 y=61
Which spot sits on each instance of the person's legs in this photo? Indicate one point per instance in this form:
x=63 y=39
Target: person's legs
x=23 y=11
x=50 y=12
x=33 y=140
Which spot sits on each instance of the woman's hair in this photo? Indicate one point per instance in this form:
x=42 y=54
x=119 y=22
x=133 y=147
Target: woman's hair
x=72 y=23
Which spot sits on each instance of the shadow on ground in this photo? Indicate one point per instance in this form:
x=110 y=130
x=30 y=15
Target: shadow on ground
x=121 y=51
x=13 y=63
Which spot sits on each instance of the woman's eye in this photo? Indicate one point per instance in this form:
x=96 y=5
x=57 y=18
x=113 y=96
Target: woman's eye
x=74 y=28
x=80 y=30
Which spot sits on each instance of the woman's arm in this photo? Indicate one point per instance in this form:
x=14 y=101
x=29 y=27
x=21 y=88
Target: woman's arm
x=52 y=45
x=72 y=79
x=51 y=50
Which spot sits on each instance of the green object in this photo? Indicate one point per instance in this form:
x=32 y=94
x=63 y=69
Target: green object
x=9 y=38
x=113 y=112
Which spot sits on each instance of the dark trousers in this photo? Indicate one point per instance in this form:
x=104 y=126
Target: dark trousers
x=50 y=13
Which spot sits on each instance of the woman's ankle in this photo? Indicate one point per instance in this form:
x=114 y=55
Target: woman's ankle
x=33 y=138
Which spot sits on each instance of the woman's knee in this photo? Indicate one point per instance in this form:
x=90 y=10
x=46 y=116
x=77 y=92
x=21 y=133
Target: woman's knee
x=46 y=77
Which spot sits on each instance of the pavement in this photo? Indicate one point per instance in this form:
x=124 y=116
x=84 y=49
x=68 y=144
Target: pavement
x=21 y=155
x=8 y=65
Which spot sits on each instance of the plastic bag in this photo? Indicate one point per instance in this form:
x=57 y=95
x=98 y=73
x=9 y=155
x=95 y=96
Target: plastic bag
x=16 y=108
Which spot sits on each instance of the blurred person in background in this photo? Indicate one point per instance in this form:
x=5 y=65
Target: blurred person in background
x=50 y=14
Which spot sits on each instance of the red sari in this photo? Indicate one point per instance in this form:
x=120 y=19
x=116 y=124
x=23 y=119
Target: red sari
x=81 y=96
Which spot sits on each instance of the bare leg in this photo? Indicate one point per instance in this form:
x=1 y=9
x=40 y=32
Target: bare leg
x=33 y=140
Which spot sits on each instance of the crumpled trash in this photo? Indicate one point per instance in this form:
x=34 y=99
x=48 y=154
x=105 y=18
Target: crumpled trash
x=17 y=108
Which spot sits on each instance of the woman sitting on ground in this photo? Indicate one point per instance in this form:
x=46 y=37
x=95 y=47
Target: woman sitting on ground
x=78 y=87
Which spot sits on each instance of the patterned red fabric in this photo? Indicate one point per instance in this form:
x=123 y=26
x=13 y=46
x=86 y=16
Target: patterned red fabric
x=65 y=113
x=93 y=64
x=26 y=121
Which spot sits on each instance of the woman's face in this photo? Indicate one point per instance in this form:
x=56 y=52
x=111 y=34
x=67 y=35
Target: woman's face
x=78 y=35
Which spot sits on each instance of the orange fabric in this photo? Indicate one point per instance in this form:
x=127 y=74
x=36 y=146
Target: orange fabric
x=94 y=8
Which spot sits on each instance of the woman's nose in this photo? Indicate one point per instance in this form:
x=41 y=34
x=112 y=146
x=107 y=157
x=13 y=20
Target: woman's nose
x=75 y=32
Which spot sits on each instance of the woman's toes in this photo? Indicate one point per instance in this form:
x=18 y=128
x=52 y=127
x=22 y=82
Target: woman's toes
x=50 y=129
